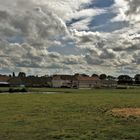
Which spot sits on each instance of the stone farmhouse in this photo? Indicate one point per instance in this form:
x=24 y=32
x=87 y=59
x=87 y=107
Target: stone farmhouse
x=88 y=82
x=76 y=81
x=79 y=81
x=67 y=81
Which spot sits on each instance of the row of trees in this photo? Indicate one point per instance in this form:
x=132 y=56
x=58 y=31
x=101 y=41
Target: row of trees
x=126 y=79
x=20 y=74
x=122 y=79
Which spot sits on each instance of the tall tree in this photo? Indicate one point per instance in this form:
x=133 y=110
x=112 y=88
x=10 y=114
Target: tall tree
x=14 y=74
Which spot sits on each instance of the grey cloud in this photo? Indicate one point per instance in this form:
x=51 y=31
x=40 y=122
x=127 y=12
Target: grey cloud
x=93 y=60
x=134 y=6
x=83 y=37
x=30 y=22
x=54 y=55
x=73 y=60
x=108 y=54
x=3 y=15
x=57 y=66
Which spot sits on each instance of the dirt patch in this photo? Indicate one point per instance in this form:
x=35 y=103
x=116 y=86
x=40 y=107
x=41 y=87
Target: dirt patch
x=126 y=112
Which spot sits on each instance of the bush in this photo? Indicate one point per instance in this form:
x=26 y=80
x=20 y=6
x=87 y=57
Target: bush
x=23 y=90
x=121 y=87
x=12 y=90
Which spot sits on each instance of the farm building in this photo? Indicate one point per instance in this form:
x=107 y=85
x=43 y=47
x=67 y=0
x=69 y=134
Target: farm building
x=88 y=82
x=67 y=81
x=76 y=81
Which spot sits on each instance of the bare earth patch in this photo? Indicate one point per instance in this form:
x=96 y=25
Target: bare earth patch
x=126 y=112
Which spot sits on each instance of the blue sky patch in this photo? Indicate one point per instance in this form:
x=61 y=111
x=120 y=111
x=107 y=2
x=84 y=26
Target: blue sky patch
x=65 y=50
x=102 y=19
x=100 y=4
x=111 y=26
x=16 y=39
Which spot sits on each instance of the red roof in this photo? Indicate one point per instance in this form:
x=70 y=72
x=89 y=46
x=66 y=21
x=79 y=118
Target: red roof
x=77 y=77
x=4 y=78
x=63 y=77
x=84 y=78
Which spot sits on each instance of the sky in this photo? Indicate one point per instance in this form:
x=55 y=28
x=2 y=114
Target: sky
x=70 y=36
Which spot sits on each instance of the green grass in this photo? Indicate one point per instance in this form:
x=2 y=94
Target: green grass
x=71 y=115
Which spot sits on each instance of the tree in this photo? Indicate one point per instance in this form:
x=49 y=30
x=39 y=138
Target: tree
x=95 y=75
x=137 y=79
x=103 y=76
x=84 y=75
x=14 y=74
x=22 y=74
x=109 y=77
x=125 y=80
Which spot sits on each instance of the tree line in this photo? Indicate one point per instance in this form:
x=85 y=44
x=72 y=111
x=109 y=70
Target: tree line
x=121 y=79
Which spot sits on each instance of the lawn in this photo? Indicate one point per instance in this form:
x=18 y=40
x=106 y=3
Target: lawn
x=69 y=115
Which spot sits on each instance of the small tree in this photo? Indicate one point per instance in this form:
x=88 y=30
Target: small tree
x=137 y=79
x=103 y=76
x=95 y=75
x=14 y=74
x=109 y=77
x=22 y=74
x=84 y=75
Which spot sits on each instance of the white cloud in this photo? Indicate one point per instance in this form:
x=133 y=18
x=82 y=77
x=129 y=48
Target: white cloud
x=29 y=28
x=127 y=10
x=120 y=6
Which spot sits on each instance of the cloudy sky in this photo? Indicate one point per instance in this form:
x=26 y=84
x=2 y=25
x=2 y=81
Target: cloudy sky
x=70 y=36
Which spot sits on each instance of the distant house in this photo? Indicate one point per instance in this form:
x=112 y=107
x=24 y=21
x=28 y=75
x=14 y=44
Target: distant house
x=15 y=81
x=30 y=81
x=66 y=81
x=4 y=81
x=76 y=81
x=4 y=78
x=4 y=84
x=88 y=82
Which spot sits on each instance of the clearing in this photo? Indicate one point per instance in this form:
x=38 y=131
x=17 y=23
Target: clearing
x=126 y=112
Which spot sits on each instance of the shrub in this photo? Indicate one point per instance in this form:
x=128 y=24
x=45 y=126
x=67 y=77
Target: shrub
x=12 y=90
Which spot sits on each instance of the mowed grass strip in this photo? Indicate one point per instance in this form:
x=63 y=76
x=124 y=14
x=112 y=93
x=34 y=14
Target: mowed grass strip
x=71 y=115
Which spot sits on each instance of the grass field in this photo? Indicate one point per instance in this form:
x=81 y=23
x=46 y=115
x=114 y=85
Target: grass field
x=69 y=115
